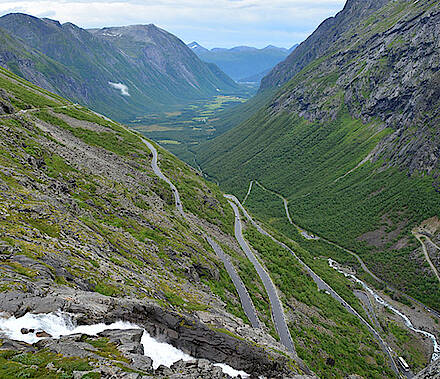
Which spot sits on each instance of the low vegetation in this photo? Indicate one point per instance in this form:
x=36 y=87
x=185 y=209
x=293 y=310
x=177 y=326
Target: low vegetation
x=326 y=330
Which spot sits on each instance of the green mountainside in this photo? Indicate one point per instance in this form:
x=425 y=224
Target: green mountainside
x=242 y=63
x=351 y=141
x=156 y=69
x=336 y=158
x=87 y=225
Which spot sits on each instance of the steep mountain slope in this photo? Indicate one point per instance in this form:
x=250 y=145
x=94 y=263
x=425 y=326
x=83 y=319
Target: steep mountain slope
x=322 y=39
x=242 y=62
x=36 y=66
x=87 y=224
x=140 y=83
x=151 y=46
x=89 y=227
x=352 y=140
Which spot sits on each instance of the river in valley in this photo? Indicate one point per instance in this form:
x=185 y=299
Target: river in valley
x=436 y=354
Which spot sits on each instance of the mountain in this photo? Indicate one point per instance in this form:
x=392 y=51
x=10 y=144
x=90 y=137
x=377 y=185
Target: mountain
x=351 y=143
x=242 y=62
x=194 y=46
x=256 y=78
x=322 y=39
x=122 y=72
x=93 y=233
x=36 y=66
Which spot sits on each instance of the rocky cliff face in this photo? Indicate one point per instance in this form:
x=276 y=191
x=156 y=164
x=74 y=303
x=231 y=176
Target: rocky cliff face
x=321 y=40
x=387 y=70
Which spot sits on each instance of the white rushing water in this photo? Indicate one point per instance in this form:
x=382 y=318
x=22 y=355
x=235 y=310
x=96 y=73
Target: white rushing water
x=436 y=354
x=61 y=324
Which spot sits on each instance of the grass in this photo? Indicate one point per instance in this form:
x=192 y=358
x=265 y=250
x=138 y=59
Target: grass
x=334 y=332
x=24 y=98
x=106 y=349
x=107 y=289
x=223 y=287
x=181 y=130
x=198 y=196
x=21 y=270
x=34 y=365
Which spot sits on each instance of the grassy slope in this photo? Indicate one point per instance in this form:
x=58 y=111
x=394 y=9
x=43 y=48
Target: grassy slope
x=139 y=241
x=304 y=160
x=147 y=241
x=328 y=330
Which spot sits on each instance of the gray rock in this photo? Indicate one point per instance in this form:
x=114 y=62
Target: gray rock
x=80 y=374
x=67 y=346
x=121 y=337
x=430 y=372
x=42 y=334
x=140 y=362
x=8 y=344
x=26 y=331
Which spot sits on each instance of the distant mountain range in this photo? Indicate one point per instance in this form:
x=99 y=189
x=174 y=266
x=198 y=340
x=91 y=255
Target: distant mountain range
x=243 y=63
x=122 y=72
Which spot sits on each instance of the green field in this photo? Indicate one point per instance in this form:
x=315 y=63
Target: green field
x=180 y=131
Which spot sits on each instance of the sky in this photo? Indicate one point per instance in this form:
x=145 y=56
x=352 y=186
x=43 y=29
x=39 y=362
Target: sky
x=212 y=23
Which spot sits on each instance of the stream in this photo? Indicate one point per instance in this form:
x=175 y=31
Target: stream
x=62 y=324
x=436 y=354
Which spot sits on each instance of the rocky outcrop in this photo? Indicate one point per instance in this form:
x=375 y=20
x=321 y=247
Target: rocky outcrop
x=386 y=73
x=114 y=354
x=430 y=372
x=5 y=103
x=320 y=41
x=185 y=333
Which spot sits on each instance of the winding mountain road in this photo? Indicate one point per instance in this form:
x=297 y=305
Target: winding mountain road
x=352 y=253
x=425 y=252
x=322 y=285
x=24 y=111
x=245 y=299
x=159 y=173
x=277 y=308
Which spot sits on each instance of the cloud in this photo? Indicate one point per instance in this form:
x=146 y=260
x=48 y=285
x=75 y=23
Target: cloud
x=121 y=87
x=212 y=23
